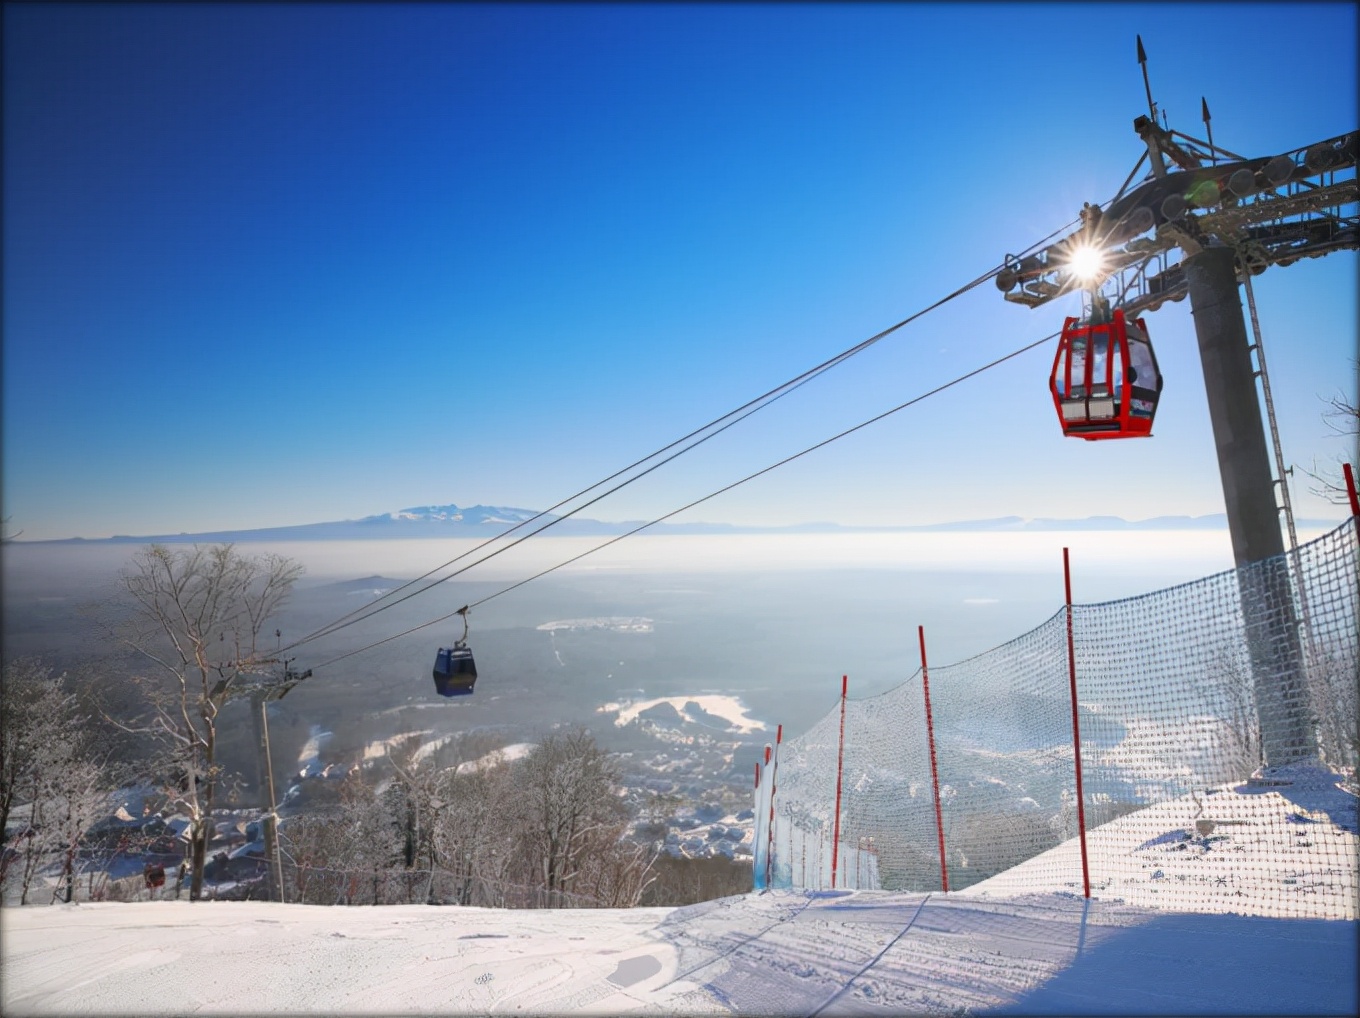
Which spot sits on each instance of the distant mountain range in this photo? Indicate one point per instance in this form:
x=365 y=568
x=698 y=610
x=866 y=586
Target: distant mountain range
x=485 y=521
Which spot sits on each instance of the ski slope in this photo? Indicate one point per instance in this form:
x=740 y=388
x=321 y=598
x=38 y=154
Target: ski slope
x=777 y=953
x=1013 y=944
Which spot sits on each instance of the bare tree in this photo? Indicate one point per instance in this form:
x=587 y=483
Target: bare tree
x=311 y=845
x=78 y=792
x=1240 y=745
x=546 y=830
x=335 y=856
x=476 y=831
x=1343 y=417
x=196 y=617
x=613 y=871
x=47 y=767
x=566 y=794
x=1336 y=695
x=416 y=802
x=28 y=698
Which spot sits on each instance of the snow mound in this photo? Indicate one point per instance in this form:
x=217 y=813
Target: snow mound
x=1283 y=844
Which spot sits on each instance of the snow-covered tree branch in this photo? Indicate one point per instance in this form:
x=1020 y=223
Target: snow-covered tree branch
x=197 y=615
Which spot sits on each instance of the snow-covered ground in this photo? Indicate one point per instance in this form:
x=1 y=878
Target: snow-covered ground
x=506 y=754
x=1245 y=848
x=1015 y=944
x=777 y=953
x=616 y=623
x=728 y=708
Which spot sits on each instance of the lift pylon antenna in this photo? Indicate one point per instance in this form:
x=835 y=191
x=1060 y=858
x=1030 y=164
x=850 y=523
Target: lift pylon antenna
x=1147 y=87
x=1204 y=113
x=1147 y=126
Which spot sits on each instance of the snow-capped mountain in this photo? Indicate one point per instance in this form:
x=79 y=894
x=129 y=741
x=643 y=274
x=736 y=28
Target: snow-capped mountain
x=451 y=513
x=478 y=521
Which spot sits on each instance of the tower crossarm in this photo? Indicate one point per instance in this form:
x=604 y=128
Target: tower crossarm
x=1274 y=210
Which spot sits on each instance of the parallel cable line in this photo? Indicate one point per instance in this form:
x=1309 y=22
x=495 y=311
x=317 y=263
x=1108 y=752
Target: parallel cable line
x=699 y=501
x=731 y=418
x=717 y=426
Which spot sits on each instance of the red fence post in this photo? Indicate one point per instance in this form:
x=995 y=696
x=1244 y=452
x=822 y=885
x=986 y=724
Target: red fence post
x=934 y=771
x=774 y=776
x=840 y=763
x=1350 y=489
x=1076 y=728
x=757 y=799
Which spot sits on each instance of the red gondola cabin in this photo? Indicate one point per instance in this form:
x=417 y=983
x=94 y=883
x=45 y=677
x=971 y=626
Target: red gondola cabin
x=1105 y=380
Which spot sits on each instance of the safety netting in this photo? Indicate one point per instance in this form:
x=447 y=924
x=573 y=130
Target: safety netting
x=1217 y=729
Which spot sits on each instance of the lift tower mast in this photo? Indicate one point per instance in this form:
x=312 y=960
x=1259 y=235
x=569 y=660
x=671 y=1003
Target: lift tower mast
x=1201 y=218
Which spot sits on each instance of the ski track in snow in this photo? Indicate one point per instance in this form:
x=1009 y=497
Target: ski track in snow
x=776 y=953
x=1019 y=943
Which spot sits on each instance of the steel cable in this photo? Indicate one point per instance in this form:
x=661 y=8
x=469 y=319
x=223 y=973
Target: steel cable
x=699 y=501
x=695 y=438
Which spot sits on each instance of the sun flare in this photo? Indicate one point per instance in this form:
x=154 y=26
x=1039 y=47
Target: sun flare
x=1086 y=263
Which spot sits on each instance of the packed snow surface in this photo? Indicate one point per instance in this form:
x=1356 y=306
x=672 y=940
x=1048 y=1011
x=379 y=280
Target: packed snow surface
x=1016 y=944
x=801 y=953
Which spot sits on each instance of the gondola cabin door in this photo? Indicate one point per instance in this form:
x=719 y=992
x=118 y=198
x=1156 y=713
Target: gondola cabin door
x=1105 y=379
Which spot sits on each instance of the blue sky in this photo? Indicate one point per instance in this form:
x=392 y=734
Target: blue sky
x=267 y=265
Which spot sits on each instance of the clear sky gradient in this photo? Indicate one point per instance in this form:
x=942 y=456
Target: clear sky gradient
x=267 y=265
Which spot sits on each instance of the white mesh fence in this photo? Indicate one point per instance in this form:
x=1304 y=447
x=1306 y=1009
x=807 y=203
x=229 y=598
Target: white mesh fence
x=1217 y=725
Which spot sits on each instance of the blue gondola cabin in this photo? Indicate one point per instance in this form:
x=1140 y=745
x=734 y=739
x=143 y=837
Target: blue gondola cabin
x=455 y=673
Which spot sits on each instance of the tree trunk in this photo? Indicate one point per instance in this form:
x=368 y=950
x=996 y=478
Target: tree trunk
x=197 y=859
x=69 y=872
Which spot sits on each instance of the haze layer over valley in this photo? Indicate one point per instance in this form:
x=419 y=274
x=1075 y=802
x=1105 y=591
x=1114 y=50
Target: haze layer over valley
x=772 y=619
